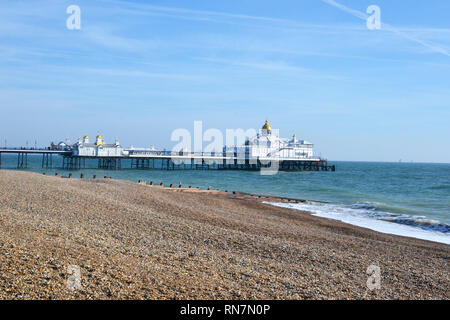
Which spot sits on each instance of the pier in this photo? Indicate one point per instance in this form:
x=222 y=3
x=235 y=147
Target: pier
x=266 y=152
x=166 y=160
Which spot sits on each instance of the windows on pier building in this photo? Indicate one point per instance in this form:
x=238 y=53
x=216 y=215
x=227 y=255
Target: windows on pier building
x=99 y=148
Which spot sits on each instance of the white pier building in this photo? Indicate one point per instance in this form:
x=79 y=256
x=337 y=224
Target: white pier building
x=267 y=144
x=83 y=148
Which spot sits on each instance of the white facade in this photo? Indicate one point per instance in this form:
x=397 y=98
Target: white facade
x=268 y=144
x=98 y=149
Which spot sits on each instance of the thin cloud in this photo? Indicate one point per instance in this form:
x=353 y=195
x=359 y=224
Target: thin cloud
x=355 y=13
x=279 y=23
x=275 y=66
x=205 y=15
x=266 y=65
x=140 y=74
x=385 y=26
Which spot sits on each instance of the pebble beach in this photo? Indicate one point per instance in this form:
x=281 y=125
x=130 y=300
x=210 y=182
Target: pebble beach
x=135 y=241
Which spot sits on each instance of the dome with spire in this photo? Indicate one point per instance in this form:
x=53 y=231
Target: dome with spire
x=266 y=126
x=99 y=141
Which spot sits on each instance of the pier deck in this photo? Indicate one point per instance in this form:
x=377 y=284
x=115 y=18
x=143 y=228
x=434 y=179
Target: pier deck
x=166 y=160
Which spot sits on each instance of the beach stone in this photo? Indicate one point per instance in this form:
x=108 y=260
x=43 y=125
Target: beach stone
x=130 y=242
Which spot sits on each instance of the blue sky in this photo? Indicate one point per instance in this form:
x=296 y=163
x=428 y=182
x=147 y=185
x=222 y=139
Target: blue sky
x=137 y=70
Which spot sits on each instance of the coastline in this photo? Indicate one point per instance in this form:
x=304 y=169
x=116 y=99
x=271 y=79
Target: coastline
x=134 y=241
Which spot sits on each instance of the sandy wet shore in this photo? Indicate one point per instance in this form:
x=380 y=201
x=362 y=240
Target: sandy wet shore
x=132 y=241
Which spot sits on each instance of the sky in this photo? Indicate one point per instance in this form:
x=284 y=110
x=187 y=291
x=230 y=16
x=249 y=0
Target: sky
x=138 y=70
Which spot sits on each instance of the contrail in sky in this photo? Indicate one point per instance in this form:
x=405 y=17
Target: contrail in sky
x=364 y=16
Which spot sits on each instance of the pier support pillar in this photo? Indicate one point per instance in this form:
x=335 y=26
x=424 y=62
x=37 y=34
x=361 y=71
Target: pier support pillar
x=22 y=160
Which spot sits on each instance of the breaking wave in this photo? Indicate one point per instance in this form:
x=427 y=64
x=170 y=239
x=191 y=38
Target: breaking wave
x=374 y=216
x=399 y=215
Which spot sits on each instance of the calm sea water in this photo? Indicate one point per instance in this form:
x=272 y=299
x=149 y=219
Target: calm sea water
x=415 y=195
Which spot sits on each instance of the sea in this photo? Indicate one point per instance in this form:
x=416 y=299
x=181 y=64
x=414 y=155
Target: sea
x=407 y=199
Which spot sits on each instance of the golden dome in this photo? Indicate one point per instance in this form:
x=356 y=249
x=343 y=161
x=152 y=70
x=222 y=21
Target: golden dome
x=266 y=126
x=99 y=140
x=86 y=137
